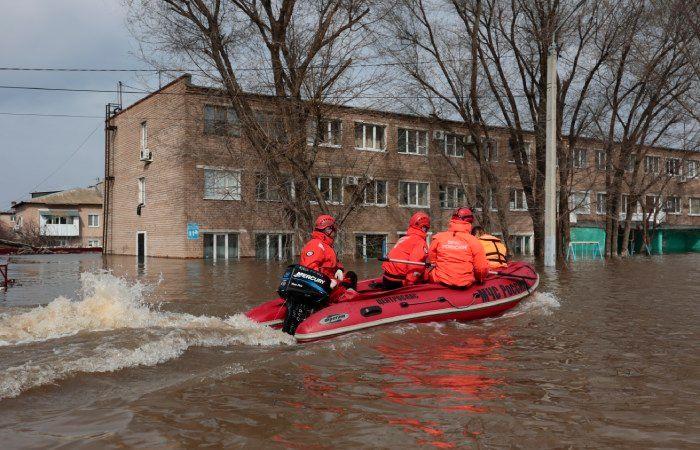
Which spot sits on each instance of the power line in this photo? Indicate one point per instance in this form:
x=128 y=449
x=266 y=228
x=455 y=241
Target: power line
x=69 y=157
x=144 y=92
x=50 y=115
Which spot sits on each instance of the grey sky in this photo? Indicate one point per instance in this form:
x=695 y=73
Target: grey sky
x=65 y=34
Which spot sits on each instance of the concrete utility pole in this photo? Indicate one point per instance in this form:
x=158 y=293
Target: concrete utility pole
x=550 y=173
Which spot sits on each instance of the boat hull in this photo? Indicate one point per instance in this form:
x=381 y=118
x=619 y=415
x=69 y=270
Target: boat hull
x=420 y=303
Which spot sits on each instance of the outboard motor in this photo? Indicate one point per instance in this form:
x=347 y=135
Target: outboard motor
x=304 y=291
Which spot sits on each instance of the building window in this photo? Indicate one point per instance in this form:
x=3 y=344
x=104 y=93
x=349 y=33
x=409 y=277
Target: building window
x=93 y=220
x=220 y=245
x=600 y=159
x=580 y=203
x=489 y=148
x=370 y=246
x=142 y=191
x=651 y=203
x=631 y=162
x=331 y=189
x=221 y=121
x=673 y=167
x=694 y=206
x=520 y=244
x=673 y=205
x=691 y=169
x=624 y=204
x=376 y=193
x=221 y=184
x=266 y=190
x=493 y=206
x=451 y=196
x=414 y=193
x=369 y=137
x=579 y=158
x=93 y=243
x=518 y=201
x=273 y=246
x=652 y=164
x=327 y=132
x=511 y=152
x=453 y=144
x=601 y=199
x=413 y=142
x=144 y=135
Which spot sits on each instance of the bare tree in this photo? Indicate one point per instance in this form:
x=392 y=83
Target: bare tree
x=299 y=54
x=643 y=86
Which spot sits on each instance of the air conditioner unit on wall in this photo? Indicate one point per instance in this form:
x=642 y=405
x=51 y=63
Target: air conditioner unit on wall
x=438 y=135
x=146 y=155
x=352 y=180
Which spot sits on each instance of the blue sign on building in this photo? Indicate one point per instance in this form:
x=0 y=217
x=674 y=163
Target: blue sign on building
x=192 y=231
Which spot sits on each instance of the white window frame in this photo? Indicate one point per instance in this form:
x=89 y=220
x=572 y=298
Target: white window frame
x=215 y=236
x=579 y=157
x=410 y=205
x=417 y=149
x=227 y=196
x=601 y=159
x=364 y=241
x=580 y=206
x=688 y=164
x=490 y=150
x=326 y=140
x=142 y=191
x=512 y=206
x=375 y=202
x=678 y=166
x=457 y=149
x=453 y=190
x=374 y=136
x=680 y=205
x=97 y=220
x=652 y=164
x=600 y=207
x=93 y=243
x=657 y=202
x=268 y=235
x=523 y=237
x=144 y=135
x=331 y=184
x=691 y=212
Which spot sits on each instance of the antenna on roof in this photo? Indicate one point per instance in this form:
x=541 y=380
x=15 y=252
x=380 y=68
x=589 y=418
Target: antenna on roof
x=119 y=91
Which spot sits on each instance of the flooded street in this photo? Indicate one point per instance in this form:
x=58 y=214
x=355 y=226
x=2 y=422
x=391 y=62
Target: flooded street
x=604 y=355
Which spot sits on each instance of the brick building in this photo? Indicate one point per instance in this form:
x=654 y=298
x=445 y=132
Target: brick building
x=70 y=218
x=182 y=182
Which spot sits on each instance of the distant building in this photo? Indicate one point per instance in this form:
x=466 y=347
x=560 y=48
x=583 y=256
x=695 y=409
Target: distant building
x=70 y=218
x=182 y=181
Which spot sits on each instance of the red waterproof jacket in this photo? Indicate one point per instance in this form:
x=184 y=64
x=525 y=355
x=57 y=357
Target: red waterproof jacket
x=459 y=257
x=411 y=247
x=318 y=254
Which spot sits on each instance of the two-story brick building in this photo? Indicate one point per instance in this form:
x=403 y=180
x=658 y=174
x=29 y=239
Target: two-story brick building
x=70 y=218
x=181 y=181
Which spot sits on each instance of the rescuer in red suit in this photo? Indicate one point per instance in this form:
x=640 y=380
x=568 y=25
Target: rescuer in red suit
x=411 y=247
x=318 y=254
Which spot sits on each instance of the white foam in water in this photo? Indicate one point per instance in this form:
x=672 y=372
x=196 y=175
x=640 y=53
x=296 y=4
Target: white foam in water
x=543 y=303
x=111 y=303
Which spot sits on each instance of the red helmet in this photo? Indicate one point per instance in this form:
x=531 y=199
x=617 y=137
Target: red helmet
x=464 y=214
x=324 y=221
x=419 y=220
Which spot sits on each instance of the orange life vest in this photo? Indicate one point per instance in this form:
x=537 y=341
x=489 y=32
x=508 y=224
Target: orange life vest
x=495 y=250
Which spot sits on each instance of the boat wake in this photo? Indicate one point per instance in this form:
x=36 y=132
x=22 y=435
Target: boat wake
x=109 y=304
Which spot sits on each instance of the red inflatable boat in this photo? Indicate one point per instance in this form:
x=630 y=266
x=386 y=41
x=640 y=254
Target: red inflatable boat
x=420 y=303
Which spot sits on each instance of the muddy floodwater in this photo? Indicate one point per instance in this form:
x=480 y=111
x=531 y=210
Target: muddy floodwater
x=159 y=356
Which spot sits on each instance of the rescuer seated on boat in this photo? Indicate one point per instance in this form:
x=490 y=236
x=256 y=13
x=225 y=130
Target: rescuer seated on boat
x=494 y=248
x=411 y=247
x=458 y=257
x=318 y=254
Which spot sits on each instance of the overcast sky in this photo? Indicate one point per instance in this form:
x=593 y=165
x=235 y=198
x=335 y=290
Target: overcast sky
x=62 y=34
